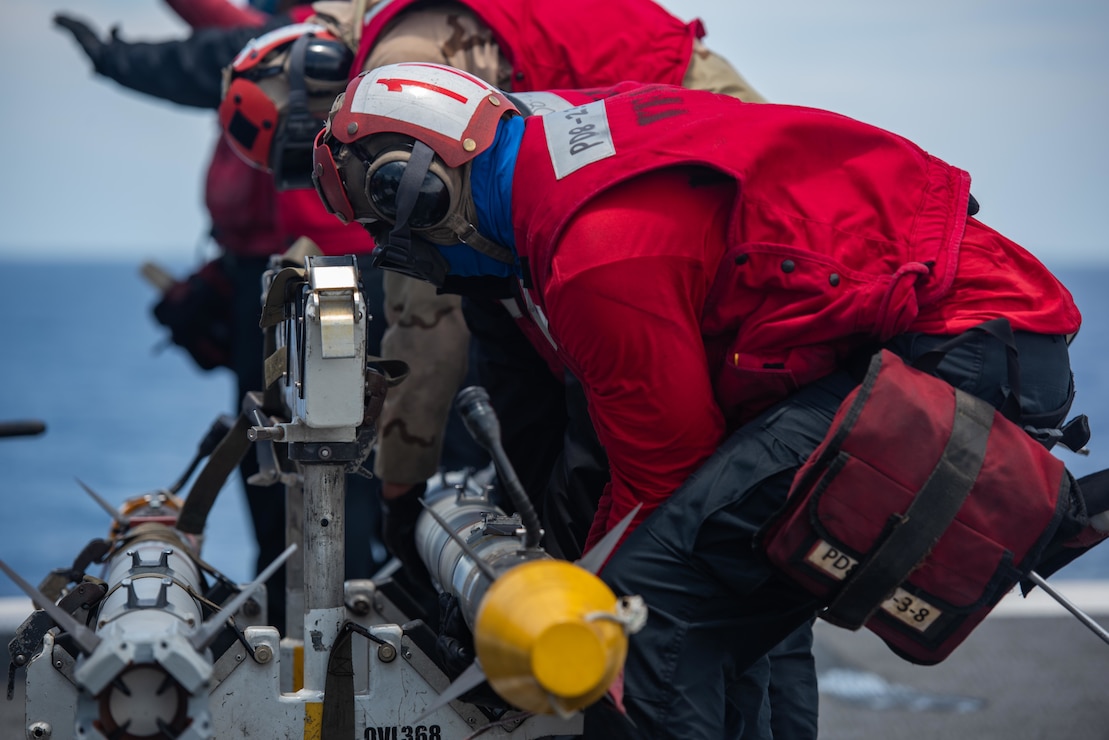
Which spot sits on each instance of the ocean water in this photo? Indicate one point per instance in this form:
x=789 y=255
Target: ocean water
x=124 y=413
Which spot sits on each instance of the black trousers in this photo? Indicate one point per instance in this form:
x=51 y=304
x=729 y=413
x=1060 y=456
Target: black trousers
x=716 y=606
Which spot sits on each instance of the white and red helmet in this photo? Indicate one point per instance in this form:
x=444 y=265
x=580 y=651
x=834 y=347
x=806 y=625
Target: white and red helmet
x=394 y=154
x=450 y=111
x=277 y=93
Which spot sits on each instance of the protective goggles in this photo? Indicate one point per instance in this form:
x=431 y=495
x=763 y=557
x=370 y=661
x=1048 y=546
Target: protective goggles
x=432 y=197
x=384 y=178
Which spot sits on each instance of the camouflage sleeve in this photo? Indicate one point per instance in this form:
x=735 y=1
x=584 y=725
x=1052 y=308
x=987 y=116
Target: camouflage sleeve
x=445 y=34
x=424 y=329
x=428 y=332
x=710 y=71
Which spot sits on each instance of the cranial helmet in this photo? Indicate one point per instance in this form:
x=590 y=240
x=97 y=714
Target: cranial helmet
x=276 y=96
x=395 y=152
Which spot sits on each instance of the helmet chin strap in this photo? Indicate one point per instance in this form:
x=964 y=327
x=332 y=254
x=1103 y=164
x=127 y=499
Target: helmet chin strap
x=414 y=173
x=468 y=234
x=402 y=251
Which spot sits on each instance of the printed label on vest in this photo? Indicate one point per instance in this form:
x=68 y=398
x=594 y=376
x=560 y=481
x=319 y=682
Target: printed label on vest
x=541 y=103
x=912 y=610
x=577 y=137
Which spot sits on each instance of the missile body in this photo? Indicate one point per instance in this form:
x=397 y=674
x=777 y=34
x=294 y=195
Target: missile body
x=550 y=636
x=145 y=677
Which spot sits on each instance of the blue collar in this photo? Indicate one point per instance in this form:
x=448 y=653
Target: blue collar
x=491 y=179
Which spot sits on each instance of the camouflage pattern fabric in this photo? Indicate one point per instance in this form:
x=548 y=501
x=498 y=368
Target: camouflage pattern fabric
x=426 y=331
x=710 y=71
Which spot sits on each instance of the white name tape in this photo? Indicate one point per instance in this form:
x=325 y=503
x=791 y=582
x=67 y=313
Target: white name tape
x=912 y=610
x=577 y=137
x=541 y=103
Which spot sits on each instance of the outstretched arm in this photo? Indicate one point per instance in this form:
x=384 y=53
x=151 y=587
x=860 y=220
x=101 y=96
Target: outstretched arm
x=188 y=71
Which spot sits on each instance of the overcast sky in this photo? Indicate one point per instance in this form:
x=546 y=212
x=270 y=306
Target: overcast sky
x=1015 y=91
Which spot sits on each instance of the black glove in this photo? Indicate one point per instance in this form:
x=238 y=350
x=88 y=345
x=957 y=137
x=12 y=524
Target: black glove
x=398 y=531
x=86 y=38
x=455 y=645
x=198 y=313
x=454 y=649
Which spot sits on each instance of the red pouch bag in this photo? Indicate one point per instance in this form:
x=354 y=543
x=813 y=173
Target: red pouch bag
x=919 y=511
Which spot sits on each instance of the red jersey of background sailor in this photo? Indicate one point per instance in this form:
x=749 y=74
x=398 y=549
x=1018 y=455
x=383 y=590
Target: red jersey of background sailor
x=570 y=43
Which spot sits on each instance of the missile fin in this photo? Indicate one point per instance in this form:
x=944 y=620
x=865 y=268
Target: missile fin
x=119 y=519
x=596 y=557
x=85 y=638
x=470 y=678
x=207 y=632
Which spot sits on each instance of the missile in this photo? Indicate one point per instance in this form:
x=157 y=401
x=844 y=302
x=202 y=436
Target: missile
x=144 y=666
x=550 y=636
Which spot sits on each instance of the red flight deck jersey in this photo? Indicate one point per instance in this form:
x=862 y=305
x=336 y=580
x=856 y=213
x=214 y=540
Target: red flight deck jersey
x=698 y=259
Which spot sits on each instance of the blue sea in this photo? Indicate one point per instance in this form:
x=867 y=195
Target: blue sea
x=124 y=413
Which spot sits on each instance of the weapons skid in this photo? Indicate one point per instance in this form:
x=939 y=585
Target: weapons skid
x=140 y=655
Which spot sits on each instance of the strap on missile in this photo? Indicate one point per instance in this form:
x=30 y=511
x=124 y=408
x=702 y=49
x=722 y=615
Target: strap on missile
x=224 y=459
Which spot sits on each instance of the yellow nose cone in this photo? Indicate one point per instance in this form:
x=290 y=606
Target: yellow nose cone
x=539 y=641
